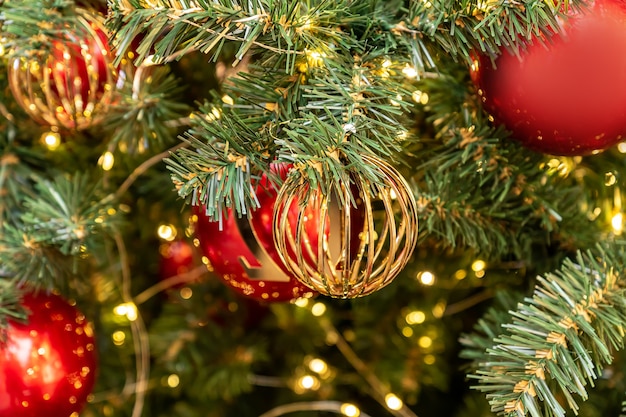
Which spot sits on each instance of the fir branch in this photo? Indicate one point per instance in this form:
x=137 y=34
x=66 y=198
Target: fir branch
x=10 y=305
x=208 y=26
x=478 y=189
x=17 y=163
x=465 y=26
x=217 y=173
x=139 y=120
x=66 y=213
x=27 y=261
x=565 y=334
x=29 y=27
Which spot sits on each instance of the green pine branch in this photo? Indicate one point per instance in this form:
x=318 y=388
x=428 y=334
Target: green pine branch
x=463 y=27
x=30 y=27
x=559 y=340
x=67 y=213
x=10 y=307
x=148 y=112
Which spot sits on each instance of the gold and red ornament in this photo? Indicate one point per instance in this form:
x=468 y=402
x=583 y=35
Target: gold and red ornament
x=70 y=85
x=47 y=364
x=373 y=232
x=241 y=251
x=566 y=95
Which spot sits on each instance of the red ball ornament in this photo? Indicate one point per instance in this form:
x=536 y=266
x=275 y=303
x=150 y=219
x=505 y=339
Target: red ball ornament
x=69 y=86
x=567 y=96
x=48 y=365
x=243 y=254
x=176 y=258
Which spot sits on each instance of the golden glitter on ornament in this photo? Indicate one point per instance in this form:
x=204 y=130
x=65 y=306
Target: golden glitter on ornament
x=358 y=248
x=71 y=83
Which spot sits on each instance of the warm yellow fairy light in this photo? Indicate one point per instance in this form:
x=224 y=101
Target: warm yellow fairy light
x=318 y=366
x=119 y=337
x=415 y=317
x=226 y=99
x=420 y=97
x=610 y=179
x=386 y=63
x=439 y=309
x=106 y=161
x=460 y=274
x=318 y=309
x=173 y=380
x=315 y=58
x=308 y=382
x=429 y=359
x=617 y=222
x=425 y=342
x=167 y=232
x=301 y=302
x=397 y=101
x=478 y=265
x=621 y=147
x=350 y=410
x=186 y=293
x=52 y=140
x=409 y=71
x=393 y=402
x=126 y=309
x=426 y=277
x=407 y=331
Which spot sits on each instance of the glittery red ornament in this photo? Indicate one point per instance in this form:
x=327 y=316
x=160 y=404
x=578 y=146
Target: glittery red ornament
x=242 y=253
x=567 y=97
x=176 y=258
x=48 y=365
x=71 y=84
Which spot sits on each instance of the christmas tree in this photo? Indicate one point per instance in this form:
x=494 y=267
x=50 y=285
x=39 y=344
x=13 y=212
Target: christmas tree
x=312 y=208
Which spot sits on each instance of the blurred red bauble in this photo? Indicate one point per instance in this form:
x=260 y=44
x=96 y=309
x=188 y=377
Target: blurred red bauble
x=69 y=86
x=567 y=97
x=176 y=259
x=48 y=365
x=242 y=253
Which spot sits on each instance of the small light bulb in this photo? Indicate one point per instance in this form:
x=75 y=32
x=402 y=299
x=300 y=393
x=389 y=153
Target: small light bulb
x=126 y=309
x=393 y=402
x=52 y=140
x=409 y=72
x=106 y=161
x=318 y=366
x=415 y=317
x=350 y=410
x=167 y=232
x=173 y=380
x=478 y=265
x=318 y=309
x=425 y=342
x=301 y=302
x=426 y=278
x=618 y=223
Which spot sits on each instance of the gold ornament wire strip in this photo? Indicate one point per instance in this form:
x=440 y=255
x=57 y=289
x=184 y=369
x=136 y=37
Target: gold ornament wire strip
x=339 y=272
x=54 y=96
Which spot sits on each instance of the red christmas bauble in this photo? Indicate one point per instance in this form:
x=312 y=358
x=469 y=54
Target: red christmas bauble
x=48 y=365
x=243 y=254
x=71 y=64
x=176 y=258
x=567 y=96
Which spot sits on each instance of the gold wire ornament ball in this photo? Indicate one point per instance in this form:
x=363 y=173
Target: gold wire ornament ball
x=356 y=249
x=69 y=85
